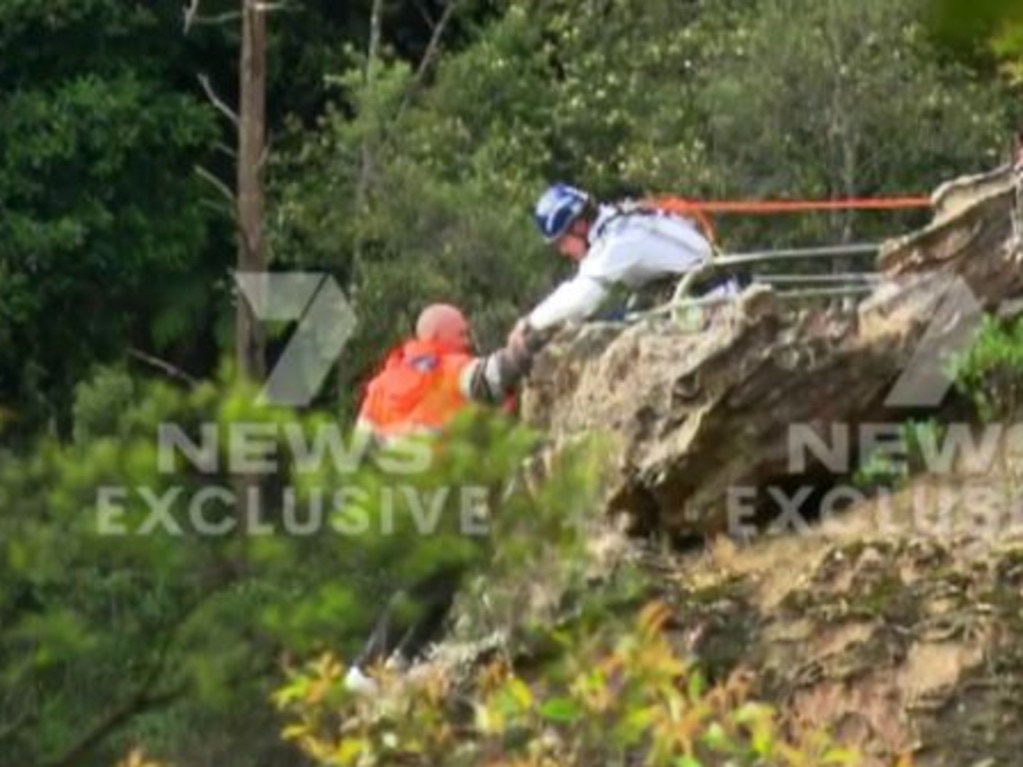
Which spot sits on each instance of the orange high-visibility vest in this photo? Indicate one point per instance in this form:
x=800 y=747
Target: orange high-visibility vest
x=417 y=391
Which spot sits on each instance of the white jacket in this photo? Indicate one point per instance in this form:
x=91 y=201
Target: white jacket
x=632 y=249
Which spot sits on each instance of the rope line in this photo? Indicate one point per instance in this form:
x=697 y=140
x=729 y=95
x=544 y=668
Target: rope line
x=801 y=206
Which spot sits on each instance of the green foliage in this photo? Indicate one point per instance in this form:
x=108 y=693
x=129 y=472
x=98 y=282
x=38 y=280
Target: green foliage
x=614 y=698
x=850 y=101
x=120 y=530
x=99 y=403
x=444 y=175
x=877 y=470
x=101 y=215
x=990 y=372
x=984 y=28
x=908 y=456
x=424 y=194
x=413 y=185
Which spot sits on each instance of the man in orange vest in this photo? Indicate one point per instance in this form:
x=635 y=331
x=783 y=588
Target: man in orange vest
x=425 y=383
x=429 y=379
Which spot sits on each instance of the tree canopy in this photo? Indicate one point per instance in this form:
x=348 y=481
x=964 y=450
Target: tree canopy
x=407 y=143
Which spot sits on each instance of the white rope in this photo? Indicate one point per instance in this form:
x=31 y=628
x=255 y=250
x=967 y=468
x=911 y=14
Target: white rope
x=708 y=301
x=823 y=251
x=837 y=277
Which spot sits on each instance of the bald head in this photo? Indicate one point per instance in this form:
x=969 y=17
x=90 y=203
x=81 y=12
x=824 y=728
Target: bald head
x=444 y=324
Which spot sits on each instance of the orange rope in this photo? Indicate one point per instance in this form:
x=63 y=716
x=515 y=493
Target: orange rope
x=699 y=209
x=800 y=206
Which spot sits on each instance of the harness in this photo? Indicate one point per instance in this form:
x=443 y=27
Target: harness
x=679 y=207
x=662 y=207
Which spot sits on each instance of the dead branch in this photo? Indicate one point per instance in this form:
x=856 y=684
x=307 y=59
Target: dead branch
x=432 y=49
x=136 y=705
x=145 y=698
x=190 y=13
x=19 y=722
x=219 y=185
x=366 y=151
x=218 y=209
x=220 y=18
x=426 y=16
x=264 y=158
x=163 y=366
x=193 y=18
x=223 y=108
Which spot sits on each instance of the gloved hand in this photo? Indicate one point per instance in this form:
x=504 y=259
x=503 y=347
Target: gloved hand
x=535 y=339
x=526 y=341
x=517 y=337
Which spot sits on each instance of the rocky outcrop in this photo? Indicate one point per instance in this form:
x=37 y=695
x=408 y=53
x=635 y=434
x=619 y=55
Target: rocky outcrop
x=895 y=624
x=702 y=419
x=896 y=644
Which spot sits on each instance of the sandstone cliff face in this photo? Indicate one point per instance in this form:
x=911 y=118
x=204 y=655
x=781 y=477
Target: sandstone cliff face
x=698 y=415
x=900 y=644
x=897 y=624
x=898 y=637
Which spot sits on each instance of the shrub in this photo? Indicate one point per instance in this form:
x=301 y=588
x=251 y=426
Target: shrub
x=612 y=698
x=990 y=373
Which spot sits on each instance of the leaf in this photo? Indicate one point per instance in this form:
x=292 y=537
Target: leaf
x=350 y=750
x=294 y=731
x=653 y=616
x=846 y=756
x=520 y=692
x=636 y=723
x=751 y=713
x=489 y=720
x=695 y=687
x=561 y=710
x=715 y=737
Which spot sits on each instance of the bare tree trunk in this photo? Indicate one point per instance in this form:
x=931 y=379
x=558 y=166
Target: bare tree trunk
x=250 y=341
x=366 y=152
x=364 y=179
x=849 y=166
x=843 y=145
x=372 y=141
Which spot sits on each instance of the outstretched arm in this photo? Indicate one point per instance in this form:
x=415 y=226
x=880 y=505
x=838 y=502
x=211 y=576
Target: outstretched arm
x=574 y=300
x=492 y=378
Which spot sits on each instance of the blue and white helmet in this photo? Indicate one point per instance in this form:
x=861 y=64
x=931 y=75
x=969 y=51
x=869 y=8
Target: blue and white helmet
x=557 y=208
